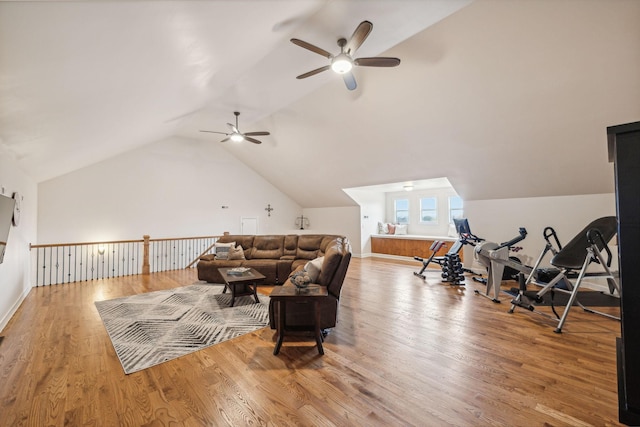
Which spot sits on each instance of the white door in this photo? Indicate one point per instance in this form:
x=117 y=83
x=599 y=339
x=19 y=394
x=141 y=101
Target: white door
x=248 y=226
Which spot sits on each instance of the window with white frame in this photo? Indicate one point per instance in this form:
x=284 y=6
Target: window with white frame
x=401 y=211
x=428 y=210
x=455 y=208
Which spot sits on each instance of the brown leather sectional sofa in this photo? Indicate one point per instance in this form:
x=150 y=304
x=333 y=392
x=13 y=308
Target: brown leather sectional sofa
x=277 y=256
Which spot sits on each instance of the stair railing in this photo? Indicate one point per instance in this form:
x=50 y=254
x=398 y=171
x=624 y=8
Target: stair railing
x=54 y=264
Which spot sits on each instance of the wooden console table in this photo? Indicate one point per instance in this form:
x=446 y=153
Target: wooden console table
x=283 y=294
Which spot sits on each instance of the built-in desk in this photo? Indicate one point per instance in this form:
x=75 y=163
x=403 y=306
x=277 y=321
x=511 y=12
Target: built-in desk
x=409 y=245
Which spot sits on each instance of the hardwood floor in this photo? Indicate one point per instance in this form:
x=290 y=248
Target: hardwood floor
x=405 y=352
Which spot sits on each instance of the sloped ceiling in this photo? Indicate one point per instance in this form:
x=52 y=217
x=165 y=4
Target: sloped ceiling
x=505 y=99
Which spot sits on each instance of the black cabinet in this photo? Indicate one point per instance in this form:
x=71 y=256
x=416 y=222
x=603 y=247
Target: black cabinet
x=624 y=151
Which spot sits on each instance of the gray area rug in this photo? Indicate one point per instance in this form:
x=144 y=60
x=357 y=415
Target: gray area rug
x=152 y=328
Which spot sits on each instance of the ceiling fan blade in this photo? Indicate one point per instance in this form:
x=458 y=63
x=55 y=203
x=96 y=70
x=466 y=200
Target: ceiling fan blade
x=311 y=47
x=248 y=138
x=233 y=128
x=377 y=62
x=260 y=133
x=313 y=72
x=359 y=36
x=349 y=80
x=212 y=131
x=225 y=140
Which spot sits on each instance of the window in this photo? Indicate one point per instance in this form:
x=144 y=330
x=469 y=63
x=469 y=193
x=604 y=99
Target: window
x=401 y=209
x=429 y=210
x=455 y=208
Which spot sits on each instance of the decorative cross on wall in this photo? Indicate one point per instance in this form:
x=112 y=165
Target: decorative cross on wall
x=268 y=209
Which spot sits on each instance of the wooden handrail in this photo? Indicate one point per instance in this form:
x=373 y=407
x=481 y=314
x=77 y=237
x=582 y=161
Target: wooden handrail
x=184 y=238
x=198 y=257
x=108 y=242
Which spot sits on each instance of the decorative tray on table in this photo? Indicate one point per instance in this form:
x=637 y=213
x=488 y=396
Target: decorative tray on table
x=237 y=271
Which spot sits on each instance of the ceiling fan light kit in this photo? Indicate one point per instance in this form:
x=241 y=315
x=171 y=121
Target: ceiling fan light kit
x=344 y=61
x=342 y=64
x=236 y=136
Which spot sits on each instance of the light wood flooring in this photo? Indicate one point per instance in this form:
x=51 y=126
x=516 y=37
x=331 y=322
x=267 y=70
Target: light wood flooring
x=405 y=352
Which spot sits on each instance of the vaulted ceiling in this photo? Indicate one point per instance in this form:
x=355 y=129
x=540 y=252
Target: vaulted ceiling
x=505 y=99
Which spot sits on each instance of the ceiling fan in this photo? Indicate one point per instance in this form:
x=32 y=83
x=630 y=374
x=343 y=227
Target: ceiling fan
x=344 y=61
x=236 y=136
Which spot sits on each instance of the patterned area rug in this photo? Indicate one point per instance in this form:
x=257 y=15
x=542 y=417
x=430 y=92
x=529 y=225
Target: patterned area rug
x=152 y=328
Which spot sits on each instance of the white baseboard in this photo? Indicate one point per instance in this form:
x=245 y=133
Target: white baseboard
x=13 y=309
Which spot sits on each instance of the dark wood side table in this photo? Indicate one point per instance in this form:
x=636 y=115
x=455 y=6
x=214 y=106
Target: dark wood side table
x=241 y=284
x=283 y=294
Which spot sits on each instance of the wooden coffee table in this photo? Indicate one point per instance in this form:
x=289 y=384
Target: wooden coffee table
x=313 y=294
x=241 y=284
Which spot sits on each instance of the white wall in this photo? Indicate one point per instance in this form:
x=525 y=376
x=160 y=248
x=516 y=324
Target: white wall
x=171 y=188
x=14 y=271
x=339 y=220
x=372 y=211
x=498 y=221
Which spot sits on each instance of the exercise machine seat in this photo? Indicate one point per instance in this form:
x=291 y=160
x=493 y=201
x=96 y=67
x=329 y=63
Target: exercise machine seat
x=571 y=256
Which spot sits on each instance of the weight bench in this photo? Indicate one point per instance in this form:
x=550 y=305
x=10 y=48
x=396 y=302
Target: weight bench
x=434 y=248
x=583 y=250
x=465 y=237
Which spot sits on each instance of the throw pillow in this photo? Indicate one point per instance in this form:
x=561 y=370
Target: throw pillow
x=222 y=249
x=383 y=228
x=313 y=268
x=401 y=229
x=392 y=228
x=236 y=253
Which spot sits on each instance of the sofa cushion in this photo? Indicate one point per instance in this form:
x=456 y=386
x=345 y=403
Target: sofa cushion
x=245 y=241
x=306 y=254
x=308 y=246
x=332 y=259
x=314 y=267
x=401 y=229
x=236 y=253
x=290 y=246
x=298 y=263
x=222 y=249
x=267 y=247
x=268 y=268
x=326 y=241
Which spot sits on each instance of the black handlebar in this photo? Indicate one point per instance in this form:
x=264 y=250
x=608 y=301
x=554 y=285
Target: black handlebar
x=594 y=237
x=523 y=234
x=550 y=232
